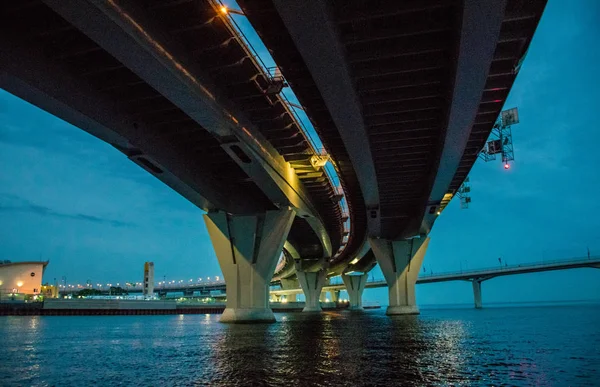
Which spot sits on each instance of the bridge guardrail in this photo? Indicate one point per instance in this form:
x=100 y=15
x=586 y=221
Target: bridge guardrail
x=273 y=73
x=500 y=269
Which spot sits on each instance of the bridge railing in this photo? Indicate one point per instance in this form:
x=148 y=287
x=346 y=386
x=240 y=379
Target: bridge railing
x=504 y=268
x=271 y=73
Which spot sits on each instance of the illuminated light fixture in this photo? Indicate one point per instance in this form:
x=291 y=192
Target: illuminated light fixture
x=506 y=166
x=354 y=261
x=20 y=283
x=439 y=212
x=224 y=11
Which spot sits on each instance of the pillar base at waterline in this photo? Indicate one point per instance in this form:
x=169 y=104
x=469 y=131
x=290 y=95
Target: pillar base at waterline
x=312 y=308
x=311 y=284
x=400 y=310
x=247 y=315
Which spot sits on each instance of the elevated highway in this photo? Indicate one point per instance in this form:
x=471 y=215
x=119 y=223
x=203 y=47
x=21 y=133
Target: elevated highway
x=402 y=94
x=174 y=87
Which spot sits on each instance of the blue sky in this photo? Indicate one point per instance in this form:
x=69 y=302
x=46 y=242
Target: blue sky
x=68 y=197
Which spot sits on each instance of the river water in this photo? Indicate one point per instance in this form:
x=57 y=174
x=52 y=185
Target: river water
x=522 y=346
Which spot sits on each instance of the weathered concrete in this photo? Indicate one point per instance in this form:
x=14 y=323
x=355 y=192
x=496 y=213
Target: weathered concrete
x=248 y=248
x=312 y=283
x=355 y=286
x=400 y=262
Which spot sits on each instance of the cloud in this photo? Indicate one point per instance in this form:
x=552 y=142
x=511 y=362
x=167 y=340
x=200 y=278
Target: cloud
x=25 y=206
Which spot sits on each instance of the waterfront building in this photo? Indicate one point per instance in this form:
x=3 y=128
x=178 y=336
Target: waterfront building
x=23 y=278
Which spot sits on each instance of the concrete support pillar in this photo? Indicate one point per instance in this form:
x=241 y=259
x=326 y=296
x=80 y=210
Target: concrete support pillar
x=335 y=295
x=400 y=262
x=312 y=283
x=477 y=293
x=323 y=297
x=290 y=283
x=248 y=248
x=355 y=286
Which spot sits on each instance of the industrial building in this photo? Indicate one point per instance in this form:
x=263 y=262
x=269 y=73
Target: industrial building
x=21 y=277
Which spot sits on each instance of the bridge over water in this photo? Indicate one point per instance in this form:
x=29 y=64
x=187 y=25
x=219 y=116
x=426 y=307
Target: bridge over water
x=402 y=97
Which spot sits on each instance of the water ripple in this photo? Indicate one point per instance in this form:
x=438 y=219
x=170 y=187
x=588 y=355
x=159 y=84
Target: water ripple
x=518 y=346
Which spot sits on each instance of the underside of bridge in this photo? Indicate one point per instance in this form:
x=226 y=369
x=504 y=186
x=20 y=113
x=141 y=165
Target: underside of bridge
x=172 y=86
x=423 y=82
x=402 y=94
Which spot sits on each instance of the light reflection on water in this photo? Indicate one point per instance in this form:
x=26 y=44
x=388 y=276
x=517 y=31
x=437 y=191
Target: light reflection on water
x=518 y=346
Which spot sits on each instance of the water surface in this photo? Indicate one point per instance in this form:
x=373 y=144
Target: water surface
x=543 y=346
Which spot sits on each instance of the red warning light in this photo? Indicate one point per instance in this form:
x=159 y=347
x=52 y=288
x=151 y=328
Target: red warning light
x=506 y=166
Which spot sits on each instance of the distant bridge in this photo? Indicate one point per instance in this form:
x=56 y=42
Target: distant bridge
x=476 y=277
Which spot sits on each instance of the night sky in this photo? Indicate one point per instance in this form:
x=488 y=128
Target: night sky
x=67 y=197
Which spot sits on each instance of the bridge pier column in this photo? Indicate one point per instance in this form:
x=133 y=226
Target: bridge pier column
x=312 y=283
x=290 y=283
x=248 y=247
x=477 y=293
x=355 y=286
x=335 y=295
x=323 y=297
x=400 y=262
